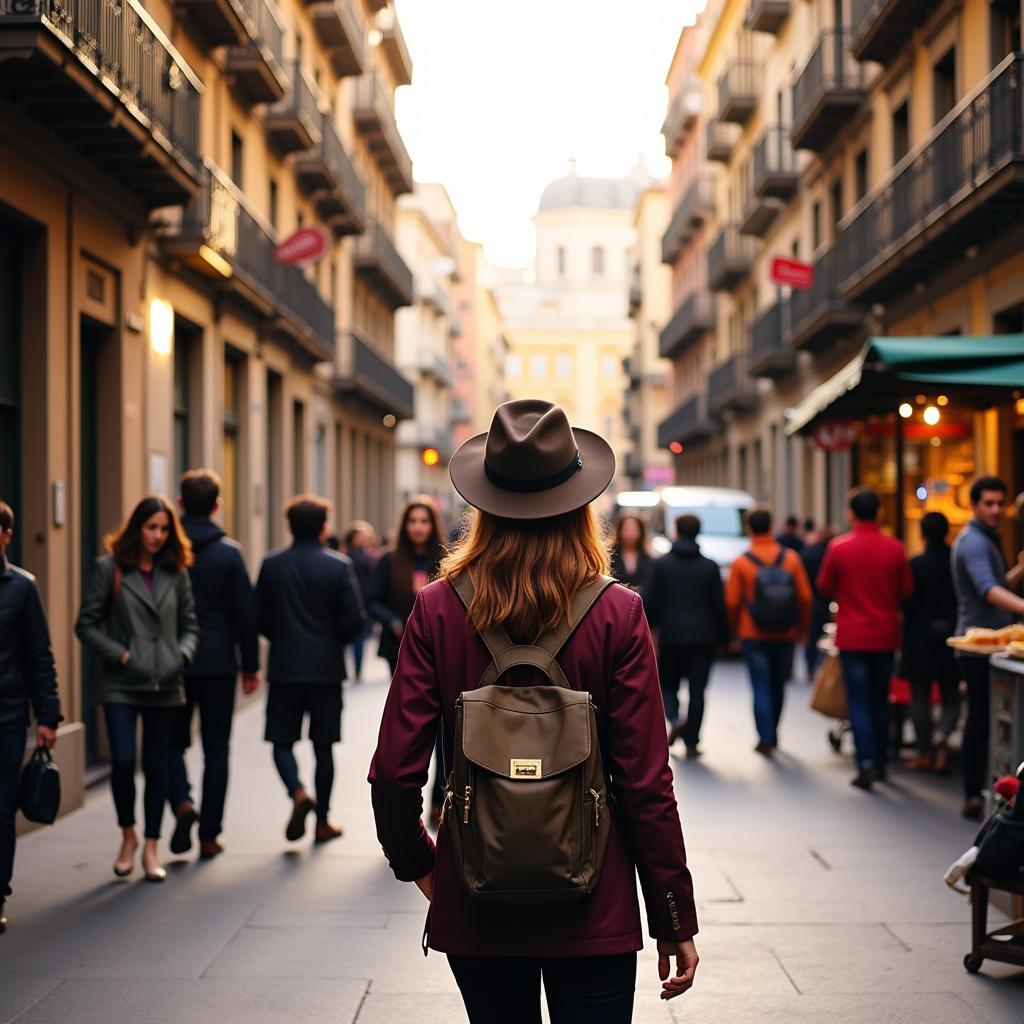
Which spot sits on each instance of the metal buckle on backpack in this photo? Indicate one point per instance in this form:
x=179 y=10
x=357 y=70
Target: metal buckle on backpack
x=525 y=768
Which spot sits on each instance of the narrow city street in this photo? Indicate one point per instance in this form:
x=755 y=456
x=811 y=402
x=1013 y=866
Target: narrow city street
x=817 y=902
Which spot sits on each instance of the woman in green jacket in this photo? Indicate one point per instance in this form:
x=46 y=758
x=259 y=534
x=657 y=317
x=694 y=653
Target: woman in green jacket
x=139 y=617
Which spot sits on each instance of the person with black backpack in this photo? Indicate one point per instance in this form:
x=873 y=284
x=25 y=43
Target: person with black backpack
x=541 y=672
x=769 y=602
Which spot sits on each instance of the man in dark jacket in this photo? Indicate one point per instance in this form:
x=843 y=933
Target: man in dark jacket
x=685 y=606
x=28 y=678
x=309 y=607
x=227 y=635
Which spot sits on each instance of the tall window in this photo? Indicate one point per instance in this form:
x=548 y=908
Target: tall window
x=609 y=367
x=860 y=174
x=273 y=453
x=836 y=196
x=563 y=367
x=944 y=87
x=232 y=447
x=815 y=226
x=237 y=159
x=182 y=396
x=514 y=366
x=900 y=132
x=560 y=258
x=538 y=366
x=272 y=204
x=597 y=261
x=320 y=460
x=298 y=447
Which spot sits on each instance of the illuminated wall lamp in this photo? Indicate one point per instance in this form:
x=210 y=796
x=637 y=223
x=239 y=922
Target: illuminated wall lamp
x=161 y=327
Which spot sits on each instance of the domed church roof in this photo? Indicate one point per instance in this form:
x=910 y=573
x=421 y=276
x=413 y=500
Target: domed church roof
x=573 y=190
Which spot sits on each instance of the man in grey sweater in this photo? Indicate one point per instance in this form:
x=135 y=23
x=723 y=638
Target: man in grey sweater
x=985 y=598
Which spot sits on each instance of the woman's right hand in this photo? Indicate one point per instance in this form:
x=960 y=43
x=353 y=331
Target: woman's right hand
x=686 y=967
x=124 y=659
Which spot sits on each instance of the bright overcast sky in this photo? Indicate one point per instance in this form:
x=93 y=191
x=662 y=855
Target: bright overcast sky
x=506 y=91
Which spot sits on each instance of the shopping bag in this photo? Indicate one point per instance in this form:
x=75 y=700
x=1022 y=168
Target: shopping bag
x=828 y=697
x=39 y=792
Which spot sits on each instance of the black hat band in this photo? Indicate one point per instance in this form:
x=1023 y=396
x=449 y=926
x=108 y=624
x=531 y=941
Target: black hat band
x=530 y=486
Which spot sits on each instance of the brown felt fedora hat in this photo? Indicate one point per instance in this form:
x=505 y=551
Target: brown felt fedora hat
x=532 y=464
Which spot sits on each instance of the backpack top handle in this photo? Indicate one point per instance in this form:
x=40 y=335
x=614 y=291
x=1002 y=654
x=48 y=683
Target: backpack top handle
x=542 y=654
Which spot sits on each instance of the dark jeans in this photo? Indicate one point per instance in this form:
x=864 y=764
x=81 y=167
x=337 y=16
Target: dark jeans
x=323 y=777
x=12 y=753
x=867 y=675
x=157 y=726
x=974 y=751
x=214 y=696
x=921 y=710
x=359 y=650
x=579 y=989
x=693 y=663
x=769 y=663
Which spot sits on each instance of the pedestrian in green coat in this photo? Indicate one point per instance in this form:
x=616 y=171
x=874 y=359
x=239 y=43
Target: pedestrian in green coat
x=139 y=617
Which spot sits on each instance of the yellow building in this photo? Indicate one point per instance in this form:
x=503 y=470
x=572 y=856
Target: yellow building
x=146 y=324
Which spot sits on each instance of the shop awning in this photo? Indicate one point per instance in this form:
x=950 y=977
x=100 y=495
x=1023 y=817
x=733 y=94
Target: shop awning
x=978 y=370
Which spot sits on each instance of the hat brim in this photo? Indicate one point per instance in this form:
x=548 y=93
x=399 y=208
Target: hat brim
x=466 y=470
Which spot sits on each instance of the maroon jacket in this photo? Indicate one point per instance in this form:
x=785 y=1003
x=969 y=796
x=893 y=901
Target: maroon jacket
x=610 y=655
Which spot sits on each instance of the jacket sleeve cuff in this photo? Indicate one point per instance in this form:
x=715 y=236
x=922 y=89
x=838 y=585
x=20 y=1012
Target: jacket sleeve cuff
x=415 y=866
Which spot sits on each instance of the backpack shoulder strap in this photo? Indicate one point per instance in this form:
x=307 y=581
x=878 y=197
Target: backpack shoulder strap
x=495 y=639
x=582 y=602
x=781 y=556
x=753 y=558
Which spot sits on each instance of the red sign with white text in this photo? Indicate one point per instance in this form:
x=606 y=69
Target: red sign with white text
x=836 y=435
x=791 y=272
x=302 y=248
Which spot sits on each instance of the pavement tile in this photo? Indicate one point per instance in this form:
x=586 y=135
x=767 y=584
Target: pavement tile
x=19 y=995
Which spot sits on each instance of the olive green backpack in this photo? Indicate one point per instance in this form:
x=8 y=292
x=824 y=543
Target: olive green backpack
x=526 y=805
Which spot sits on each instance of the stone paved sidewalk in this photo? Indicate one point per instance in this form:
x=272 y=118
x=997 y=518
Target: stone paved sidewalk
x=817 y=902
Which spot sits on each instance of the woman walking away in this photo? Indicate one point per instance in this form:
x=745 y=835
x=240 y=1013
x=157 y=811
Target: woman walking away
x=400 y=575
x=532 y=877
x=359 y=542
x=631 y=557
x=139 y=617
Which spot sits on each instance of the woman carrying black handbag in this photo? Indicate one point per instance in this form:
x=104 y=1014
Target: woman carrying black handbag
x=139 y=617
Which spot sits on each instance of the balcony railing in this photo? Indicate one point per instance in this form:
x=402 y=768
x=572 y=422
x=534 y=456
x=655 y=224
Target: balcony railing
x=774 y=164
x=392 y=44
x=963 y=185
x=110 y=84
x=366 y=374
x=695 y=208
x=767 y=15
x=720 y=140
x=731 y=387
x=341 y=34
x=375 y=118
x=328 y=171
x=818 y=316
x=694 y=318
x=730 y=259
x=377 y=259
x=682 y=115
x=257 y=66
x=433 y=364
x=222 y=237
x=770 y=355
x=293 y=123
x=881 y=28
x=739 y=86
x=223 y=22
x=688 y=423
x=826 y=92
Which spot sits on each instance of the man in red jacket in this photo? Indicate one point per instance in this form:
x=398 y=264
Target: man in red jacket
x=868 y=574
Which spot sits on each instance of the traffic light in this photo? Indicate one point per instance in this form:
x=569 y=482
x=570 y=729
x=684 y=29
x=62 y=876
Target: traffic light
x=430 y=456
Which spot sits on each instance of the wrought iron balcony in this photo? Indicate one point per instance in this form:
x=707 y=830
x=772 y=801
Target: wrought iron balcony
x=759 y=213
x=770 y=355
x=694 y=317
x=378 y=261
x=223 y=22
x=366 y=375
x=767 y=15
x=375 y=118
x=774 y=165
x=730 y=387
x=222 y=238
x=340 y=32
x=414 y=434
x=682 y=115
x=689 y=423
x=392 y=45
x=730 y=259
x=328 y=172
x=963 y=185
x=257 y=67
x=720 y=140
x=293 y=123
x=827 y=92
x=739 y=87
x=696 y=207
x=881 y=28
x=434 y=364
x=819 y=316
x=108 y=82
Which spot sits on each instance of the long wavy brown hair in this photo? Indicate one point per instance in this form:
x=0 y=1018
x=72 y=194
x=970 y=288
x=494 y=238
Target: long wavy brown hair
x=125 y=543
x=402 y=594
x=525 y=572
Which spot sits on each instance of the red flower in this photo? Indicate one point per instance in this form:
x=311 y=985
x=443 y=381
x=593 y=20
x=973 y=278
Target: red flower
x=1007 y=787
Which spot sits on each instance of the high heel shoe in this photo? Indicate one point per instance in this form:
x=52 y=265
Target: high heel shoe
x=157 y=874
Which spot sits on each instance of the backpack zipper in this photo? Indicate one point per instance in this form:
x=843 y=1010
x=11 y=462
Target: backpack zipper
x=597 y=808
x=465 y=805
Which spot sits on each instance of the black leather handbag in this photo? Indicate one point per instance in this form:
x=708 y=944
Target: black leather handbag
x=39 y=792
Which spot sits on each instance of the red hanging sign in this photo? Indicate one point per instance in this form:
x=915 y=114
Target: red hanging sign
x=791 y=272
x=836 y=435
x=302 y=247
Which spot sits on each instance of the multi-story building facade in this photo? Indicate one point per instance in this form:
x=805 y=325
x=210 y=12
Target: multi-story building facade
x=879 y=143
x=154 y=156
x=428 y=238
x=567 y=324
x=645 y=405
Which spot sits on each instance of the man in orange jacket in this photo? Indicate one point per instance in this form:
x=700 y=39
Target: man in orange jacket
x=769 y=602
